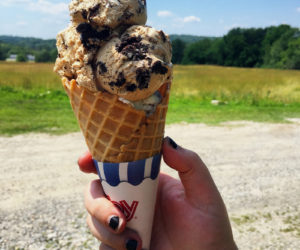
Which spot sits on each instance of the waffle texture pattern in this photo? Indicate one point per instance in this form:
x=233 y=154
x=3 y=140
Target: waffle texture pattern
x=115 y=131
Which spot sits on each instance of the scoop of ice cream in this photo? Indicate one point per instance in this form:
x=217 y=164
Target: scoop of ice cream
x=136 y=64
x=109 y=13
x=73 y=59
x=77 y=46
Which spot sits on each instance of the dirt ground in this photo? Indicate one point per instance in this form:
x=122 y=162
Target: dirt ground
x=256 y=167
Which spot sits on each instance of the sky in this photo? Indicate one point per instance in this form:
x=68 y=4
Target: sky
x=45 y=18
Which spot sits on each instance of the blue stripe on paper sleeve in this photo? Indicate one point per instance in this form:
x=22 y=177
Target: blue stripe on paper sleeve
x=155 y=166
x=135 y=172
x=111 y=171
x=98 y=170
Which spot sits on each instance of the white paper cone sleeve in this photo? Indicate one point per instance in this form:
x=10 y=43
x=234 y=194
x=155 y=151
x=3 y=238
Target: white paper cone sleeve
x=132 y=187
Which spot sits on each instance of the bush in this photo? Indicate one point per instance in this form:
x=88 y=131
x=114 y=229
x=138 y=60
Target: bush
x=21 y=57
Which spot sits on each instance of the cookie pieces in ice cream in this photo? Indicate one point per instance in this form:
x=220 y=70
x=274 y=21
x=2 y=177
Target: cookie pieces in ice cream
x=76 y=51
x=94 y=22
x=109 y=13
x=136 y=64
x=107 y=47
x=72 y=60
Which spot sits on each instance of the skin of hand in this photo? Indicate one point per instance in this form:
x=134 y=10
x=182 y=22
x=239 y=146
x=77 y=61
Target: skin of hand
x=190 y=213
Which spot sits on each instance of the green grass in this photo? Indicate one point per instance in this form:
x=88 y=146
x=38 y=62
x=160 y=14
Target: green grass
x=33 y=100
x=192 y=110
x=35 y=111
x=263 y=95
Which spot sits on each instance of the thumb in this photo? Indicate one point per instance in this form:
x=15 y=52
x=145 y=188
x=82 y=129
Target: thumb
x=199 y=186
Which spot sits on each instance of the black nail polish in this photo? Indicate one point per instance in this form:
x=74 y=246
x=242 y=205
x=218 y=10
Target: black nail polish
x=172 y=143
x=131 y=244
x=114 y=222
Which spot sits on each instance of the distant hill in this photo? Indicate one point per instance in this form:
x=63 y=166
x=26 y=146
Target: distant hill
x=189 y=38
x=23 y=48
x=28 y=42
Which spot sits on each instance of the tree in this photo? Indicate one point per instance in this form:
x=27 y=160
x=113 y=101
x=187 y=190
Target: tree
x=291 y=57
x=2 y=53
x=198 y=53
x=215 y=53
x=53 y=55
x=283 y=52
x=272 y=45
x=43 y=56
x=21 y=57
x=234 y=43
x=178 y=47
x=253 y=51
x=273 y=33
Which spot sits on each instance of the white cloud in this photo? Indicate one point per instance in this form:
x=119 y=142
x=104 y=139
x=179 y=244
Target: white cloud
x=47 y=7
x=190 y=19
x=42 y=6
x=298 y=9
x=164 y=13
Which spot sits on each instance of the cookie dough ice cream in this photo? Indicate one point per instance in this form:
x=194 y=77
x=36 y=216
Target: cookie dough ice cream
x=108 y=53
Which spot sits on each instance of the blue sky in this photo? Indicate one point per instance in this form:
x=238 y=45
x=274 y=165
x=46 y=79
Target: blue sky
x=44 y=18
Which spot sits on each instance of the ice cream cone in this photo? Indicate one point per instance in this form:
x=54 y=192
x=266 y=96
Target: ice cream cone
x=115 y=131
x=112 y=67
x=125 y=144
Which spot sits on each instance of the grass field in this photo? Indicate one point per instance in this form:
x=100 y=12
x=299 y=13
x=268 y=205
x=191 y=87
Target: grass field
x=33 y=100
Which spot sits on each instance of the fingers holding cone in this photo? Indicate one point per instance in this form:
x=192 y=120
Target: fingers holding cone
x=195 y=177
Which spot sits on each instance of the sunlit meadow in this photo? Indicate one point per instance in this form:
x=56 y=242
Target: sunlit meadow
x=33 y=100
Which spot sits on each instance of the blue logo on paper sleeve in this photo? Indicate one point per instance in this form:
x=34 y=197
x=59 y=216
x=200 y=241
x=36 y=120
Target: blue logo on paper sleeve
x=131 y=172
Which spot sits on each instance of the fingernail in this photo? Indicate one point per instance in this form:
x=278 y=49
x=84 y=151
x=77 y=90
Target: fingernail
x=172 y=143
x=114 y=222
x=131 y=244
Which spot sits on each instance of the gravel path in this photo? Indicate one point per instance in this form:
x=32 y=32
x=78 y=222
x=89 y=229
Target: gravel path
x=256 y=167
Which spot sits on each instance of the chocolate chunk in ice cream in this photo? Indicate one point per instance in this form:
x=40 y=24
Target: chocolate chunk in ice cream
x=133 y=48
x=90 y=37
x=101 y=67
x=143 y=78
x=158 y=68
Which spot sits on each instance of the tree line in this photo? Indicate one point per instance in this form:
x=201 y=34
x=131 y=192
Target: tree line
x=271 y=47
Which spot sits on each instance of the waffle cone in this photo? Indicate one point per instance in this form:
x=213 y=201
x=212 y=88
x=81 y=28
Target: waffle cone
x=115 y=131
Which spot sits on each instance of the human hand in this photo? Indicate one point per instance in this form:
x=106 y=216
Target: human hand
x=189 y=214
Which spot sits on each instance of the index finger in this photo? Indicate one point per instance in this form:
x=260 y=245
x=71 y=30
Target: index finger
x=86 y=163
